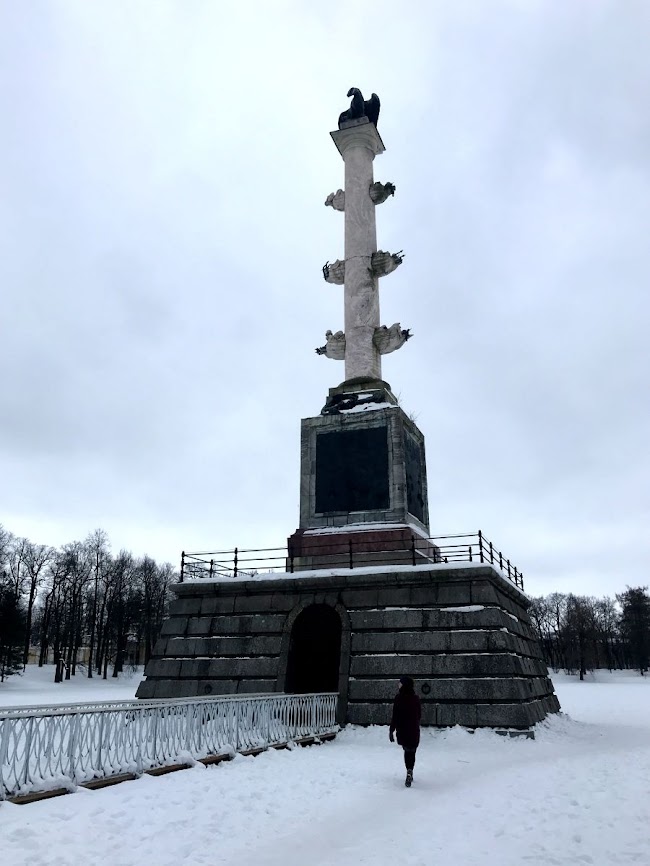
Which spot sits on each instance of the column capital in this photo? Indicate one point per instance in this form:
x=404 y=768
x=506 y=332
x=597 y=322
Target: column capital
x=358 y=133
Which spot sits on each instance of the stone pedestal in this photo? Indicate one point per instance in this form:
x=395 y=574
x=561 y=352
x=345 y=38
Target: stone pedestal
x=461 y=631
x=359 y=545
x=365 y=466
x=363 y=485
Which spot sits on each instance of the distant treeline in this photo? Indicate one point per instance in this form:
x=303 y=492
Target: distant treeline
x=579 y=633
x=78 y=605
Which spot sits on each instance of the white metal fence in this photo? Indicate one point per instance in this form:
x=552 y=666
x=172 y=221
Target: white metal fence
x=44 y=748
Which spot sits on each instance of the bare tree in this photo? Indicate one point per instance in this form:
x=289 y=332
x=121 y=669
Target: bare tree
x=16 y=560
x=607 y=625
x=12 y=628
x=578 y=633
x=97 y=547
x=6 y=543
x=154 y=593
x=34 y=559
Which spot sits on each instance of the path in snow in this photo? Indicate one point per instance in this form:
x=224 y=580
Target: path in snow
x=578 y=794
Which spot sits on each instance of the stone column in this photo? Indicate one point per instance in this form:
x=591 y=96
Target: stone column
x=358 y=144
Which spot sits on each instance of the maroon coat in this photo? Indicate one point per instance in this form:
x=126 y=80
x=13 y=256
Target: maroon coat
x=405 y=721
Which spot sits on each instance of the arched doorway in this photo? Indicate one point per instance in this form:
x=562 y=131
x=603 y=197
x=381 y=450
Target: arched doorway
x=314 y=651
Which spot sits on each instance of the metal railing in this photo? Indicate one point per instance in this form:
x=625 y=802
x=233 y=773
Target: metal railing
x=338 y=551
x=61 y=748
x=50 y=709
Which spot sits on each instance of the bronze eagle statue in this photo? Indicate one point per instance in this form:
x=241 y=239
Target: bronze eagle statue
x=361 y=108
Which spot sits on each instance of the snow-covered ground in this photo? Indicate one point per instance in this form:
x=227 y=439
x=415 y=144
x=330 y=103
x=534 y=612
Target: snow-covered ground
x=37 y=686
x=578 y=794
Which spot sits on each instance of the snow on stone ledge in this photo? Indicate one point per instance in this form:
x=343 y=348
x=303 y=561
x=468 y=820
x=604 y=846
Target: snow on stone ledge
x=368 y=527
x=468 y=608
x=386 y=568
x=367 y=407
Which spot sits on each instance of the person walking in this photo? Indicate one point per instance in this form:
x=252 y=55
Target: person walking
x=405 y=722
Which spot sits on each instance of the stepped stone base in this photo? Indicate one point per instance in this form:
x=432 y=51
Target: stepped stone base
x=392 y=545
x=461 y=631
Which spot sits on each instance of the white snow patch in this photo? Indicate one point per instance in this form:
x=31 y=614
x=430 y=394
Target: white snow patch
x=468 y=608
x=577 y=794
x=367 y=407
x=37 y=687
x=367 y=527
x=386 y=568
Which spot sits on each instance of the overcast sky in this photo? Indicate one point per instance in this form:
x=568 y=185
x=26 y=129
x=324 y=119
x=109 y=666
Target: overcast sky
x=163 y=168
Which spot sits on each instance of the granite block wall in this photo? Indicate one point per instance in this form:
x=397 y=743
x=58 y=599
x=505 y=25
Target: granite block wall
x=461 y=631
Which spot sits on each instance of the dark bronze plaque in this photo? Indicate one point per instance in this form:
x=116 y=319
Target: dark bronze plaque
x=352 y=470
x=414 y=476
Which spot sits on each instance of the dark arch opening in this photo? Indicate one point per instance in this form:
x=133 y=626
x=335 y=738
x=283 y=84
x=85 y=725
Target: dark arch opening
x=314 y=651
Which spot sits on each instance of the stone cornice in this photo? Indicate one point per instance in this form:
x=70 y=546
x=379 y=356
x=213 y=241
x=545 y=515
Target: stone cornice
x=358 y=134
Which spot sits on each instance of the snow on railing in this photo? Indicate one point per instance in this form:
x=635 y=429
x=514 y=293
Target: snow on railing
x=62 y=747
x=53 y=709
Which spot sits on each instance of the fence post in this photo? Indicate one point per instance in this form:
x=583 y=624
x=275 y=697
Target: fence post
x=412 y=550
x=500 y=560
x=470 y=553
x=157 y=711
x=190 y=724
x=140 y=721
x=101 y=741
x=351 y=559
x=235 y=569
x=72 y=745
x=212 y=568
x=4 y=749
x=28 y=749
x=480 y=545
x=508 y=561
x=182 y=565
x=291 y=556
x=491 y=554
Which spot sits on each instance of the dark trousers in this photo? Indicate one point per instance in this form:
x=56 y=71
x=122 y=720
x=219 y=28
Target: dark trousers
x=409 y=756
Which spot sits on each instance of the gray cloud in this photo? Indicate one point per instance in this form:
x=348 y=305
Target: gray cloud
x=162 y=172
